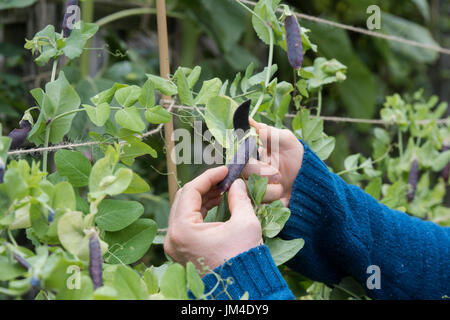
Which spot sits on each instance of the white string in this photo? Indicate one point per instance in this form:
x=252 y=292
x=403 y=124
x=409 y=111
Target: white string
x=181 y=107
x=84 y=144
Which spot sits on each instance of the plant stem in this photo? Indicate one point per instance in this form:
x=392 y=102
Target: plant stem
x=133 y=12
x=400 y=142
x=319 y=103
x=47 y=128
x=258 y=103
x=269 y=62
x=269 y=29
x=12 y=238
x=361 y=167
x=55 y=66
x=87 y=13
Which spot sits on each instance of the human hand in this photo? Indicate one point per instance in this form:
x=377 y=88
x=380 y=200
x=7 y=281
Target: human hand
x=189 y=237
x=281 y=157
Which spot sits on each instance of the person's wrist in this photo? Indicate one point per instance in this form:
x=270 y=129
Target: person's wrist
x=295 y=165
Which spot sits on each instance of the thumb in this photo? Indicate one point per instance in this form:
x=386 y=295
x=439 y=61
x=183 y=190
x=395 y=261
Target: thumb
x=238 y=200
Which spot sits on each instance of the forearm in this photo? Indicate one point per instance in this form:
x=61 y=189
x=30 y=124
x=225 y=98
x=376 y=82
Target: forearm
x=346 y=231
x=253 y=272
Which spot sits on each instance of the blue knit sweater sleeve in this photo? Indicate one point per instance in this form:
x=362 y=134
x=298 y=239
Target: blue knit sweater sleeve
x=346 y=231
x=252 y=272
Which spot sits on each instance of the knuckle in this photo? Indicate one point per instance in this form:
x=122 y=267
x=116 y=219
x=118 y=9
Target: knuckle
x=176 y=240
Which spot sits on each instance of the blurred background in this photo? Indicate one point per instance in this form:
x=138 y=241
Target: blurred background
x=218 y=36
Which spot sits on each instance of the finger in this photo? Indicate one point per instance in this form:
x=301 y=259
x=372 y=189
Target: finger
x=173 y=209
x=263 y=155
x=270 y=136
x=239 y=202
x=273 y=192
x=262 y=169
x=191 y=194
x=208 y=180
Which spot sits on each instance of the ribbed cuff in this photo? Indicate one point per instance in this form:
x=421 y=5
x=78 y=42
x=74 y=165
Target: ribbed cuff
x=253 y=271
x=311 y=214
x=311 y=195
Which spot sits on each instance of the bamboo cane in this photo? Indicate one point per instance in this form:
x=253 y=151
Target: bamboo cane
x=165 y=72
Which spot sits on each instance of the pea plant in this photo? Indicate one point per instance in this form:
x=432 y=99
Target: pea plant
x=82 y=240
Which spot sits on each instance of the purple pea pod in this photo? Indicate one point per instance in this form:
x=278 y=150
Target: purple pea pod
x=245 y=150
x=95 y=261
x=413 y=179
x=2 y=170
x=22 y=261
x=35 y=283
x=294 y=41
x=445 y=173
x=240 y=159
x=19 y=136
x=69 y=13
x=51 y=215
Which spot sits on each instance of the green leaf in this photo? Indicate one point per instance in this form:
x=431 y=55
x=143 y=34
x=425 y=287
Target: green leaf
x=360 y=88
x=219 y=118
x=194 y=76
x=64 y=99
x=5 y=144
x=173 y=282
x=147 y=97
x=57 y=270
x=157 y=115
x=130 y=244
x=9 y=4
x=257 y=186
x=374 y=188
x=73 y=165
x=325 y=72
x=135 y=148
x=151 y=281
x=184 y=91
x=137 y=185
x=283 y=250
x=130 y=118
x=105 y=293
x=441 y=161
x=323 y=147
x=128 y=96
x=71 y=234
x=194 y=281
x=84 y=292
x=275 y=218
x=126 y=282
x=98 y=115
x=222 y=20
x=10 y=270
x=38 y=220
x=235 y=84
x=115 y=215
x=261 y=77
x=210 y=89
x=397 y=26
x=165 y=86
x=74 y=45
x=107 y=95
